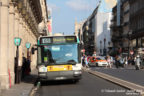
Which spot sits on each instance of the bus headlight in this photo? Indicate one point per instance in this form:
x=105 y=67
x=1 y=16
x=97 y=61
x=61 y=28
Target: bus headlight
x=77 y=67
x=42 y=69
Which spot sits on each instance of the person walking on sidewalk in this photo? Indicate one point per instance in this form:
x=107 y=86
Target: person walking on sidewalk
x=109 y=61
x=137 y=62
x=86 y=62
x=94 y=54
x=83 y=61
x=126 y=61
x=117 y=63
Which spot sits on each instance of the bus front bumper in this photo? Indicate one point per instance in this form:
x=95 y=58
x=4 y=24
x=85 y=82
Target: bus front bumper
x=60 y=75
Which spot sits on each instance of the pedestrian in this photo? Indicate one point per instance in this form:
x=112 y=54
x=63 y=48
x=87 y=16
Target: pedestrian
x=24 y=67
x=109 y=61
x=125 y=61
x=133 y=62
x=121 y=61
x=83 y=60
x=28 y=68
x=86 y=62
x=117 y=61
x=94 y=54
x=137 y=62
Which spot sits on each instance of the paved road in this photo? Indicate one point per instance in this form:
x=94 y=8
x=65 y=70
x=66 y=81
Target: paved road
x=88 y=86
x=132 y=75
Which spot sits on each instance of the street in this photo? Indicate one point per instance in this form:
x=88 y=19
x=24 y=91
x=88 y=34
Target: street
x=128 y=74
x=101 y=41
x=89 y=85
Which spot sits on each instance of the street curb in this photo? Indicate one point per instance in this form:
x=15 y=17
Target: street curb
x=34 y=89
x=123 y=83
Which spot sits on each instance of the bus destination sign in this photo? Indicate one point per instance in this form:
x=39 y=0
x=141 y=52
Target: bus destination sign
x=61 y=39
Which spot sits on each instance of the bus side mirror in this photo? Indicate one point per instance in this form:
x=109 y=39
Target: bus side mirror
x=33 y=50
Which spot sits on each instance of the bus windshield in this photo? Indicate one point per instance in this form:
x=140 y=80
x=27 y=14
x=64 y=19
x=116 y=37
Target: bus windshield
x=58 y=54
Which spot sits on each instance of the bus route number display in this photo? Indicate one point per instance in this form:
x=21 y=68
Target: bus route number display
x=46 y=40
x=51 y=40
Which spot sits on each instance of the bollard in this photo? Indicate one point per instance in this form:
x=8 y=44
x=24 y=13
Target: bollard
x=38 y=84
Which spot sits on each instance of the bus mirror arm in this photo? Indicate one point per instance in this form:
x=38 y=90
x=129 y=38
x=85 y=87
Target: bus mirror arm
x=33 y=50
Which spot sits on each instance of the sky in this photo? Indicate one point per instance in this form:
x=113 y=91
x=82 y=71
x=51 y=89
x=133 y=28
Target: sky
x=66 y=12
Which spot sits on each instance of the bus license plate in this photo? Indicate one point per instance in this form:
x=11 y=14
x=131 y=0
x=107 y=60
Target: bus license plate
x=60 y=68
x=60 y=78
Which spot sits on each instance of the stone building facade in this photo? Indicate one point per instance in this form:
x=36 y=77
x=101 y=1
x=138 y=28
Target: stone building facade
x=18 y=18
x=120 y=33
x=78 y=30
x=96 y=32
x=116 y=30
x=137 y=23
x=125 y=23
x=89 y=33
x=129 y=35
x=43 y=26
x=102 y=32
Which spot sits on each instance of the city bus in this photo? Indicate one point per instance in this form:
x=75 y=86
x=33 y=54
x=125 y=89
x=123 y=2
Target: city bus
x=58 y=58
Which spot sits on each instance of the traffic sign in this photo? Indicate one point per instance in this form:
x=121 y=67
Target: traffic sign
x=17 y=41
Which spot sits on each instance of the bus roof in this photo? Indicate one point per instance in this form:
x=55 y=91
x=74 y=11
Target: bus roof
x=55 y=36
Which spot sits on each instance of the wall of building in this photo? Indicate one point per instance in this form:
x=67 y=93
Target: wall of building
x=78 y=30
x=126 y=29
x=137 y=23
x=43 y=26
x=16 y=21
x=102 y=30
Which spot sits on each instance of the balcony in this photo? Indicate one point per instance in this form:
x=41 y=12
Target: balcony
x=137 y=33
x=126 y=12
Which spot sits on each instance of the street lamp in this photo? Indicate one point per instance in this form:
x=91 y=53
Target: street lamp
x=100 y=47
x=104 y=51
x=129 y=38
x=28 y=45
x=17 y=42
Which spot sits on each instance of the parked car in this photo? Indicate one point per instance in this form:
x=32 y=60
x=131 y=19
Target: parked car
x=98 y=61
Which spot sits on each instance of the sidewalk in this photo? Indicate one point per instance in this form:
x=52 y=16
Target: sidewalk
x=22 y=89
